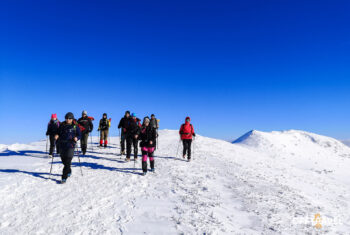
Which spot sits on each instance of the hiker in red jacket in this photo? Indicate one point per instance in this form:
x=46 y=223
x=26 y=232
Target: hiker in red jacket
x=186 y=132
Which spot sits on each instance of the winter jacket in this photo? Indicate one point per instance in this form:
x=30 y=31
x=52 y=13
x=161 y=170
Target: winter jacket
x=67 y=133
x=124 y=123
x=132 y=129
x=86 y=124
x=52 y=127
x=148 y=134
x=104 y=124
x=153 y=123
x=186 y=130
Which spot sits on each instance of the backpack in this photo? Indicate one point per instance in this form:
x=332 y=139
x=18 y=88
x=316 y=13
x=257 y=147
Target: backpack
x=182 y=127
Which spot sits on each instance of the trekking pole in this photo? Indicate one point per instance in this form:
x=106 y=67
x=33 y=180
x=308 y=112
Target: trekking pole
x=47 y=140
x=53 y=155
x=81 y=170
x=92 y=146
x=120 y=143
x=194 y=145
x=178 y=146
x=98 y=139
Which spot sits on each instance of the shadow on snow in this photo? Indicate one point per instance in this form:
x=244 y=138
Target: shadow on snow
x=40 y=175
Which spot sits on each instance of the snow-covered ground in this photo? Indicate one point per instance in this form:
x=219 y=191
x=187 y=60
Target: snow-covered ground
x=264 y=183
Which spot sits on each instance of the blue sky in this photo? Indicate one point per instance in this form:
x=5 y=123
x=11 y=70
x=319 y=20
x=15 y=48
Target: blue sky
x=232 y=66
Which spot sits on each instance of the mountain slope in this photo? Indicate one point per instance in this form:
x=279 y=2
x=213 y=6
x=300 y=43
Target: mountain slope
x=227 y=189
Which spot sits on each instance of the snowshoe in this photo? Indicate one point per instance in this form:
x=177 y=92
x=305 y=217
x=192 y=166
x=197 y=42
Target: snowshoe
x=144 y=173
x=152 y=170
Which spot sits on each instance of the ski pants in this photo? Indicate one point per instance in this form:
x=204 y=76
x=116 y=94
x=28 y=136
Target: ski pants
x=187 y=148
x=53 y=143
x=66 y=157
x=84 y=141
x=122 y=141
x=147 y=152
x=103 y=136
x=131 y=141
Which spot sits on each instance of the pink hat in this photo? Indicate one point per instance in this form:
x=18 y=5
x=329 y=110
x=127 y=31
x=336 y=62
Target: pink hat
x=53 y=116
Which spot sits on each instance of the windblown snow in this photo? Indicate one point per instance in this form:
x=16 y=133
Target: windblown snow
x=263 y=183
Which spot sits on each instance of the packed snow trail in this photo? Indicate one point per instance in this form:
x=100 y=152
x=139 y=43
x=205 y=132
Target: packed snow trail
x=227 y=189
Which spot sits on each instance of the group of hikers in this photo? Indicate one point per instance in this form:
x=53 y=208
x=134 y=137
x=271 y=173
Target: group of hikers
x=64 y=137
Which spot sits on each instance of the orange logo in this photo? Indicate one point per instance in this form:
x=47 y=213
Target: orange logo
x=318 y=221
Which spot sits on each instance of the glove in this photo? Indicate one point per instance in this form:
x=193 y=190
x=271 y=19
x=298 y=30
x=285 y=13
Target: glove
x=194 y=134
x=47 y=133
x=98 y=129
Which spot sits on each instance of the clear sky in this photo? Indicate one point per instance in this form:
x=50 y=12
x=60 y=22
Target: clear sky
x=231 y=65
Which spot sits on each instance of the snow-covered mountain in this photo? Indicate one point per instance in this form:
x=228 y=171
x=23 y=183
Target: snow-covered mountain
x=264 y=183
x=346 y=142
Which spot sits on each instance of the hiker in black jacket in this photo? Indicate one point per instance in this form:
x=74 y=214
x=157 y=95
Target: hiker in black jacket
x=69 y=134
x=148 y=136
x=86 y=126
x=52 y=130
x=132 y=135
x=123 y=125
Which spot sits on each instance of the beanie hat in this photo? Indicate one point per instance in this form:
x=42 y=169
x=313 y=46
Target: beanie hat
x=105 y=114
x=69 y=115
x=146 y=120
x=53 y=116
x=152 y=115
x=84 y=112
x=127 y=112
x=133 y=115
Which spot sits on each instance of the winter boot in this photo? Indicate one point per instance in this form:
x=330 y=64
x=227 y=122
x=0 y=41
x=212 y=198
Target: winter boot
x=144 y=166
x=63 y=181
x=152 y=165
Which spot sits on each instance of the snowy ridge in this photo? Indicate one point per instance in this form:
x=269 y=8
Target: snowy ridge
x=265 y=183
